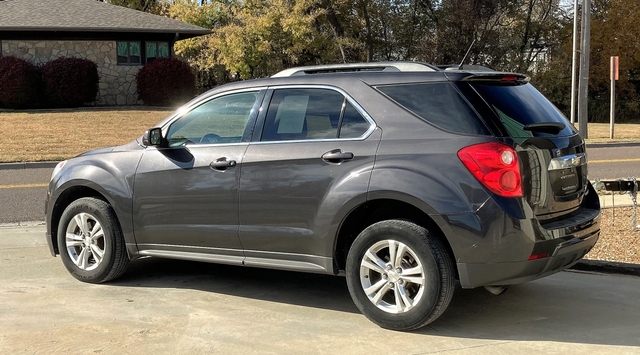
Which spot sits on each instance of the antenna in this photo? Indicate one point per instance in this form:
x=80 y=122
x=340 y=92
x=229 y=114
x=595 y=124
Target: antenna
x=465 y=56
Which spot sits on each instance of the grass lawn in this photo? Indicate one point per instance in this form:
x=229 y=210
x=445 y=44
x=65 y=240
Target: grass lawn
x=52 y=136
x=57 y=135
x=623 y=132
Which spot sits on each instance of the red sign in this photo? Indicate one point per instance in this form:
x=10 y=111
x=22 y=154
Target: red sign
x=614 y=68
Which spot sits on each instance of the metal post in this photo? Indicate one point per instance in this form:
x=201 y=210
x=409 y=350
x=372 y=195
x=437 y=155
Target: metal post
x=614 y=77
x=573 y=61
x=583 y=86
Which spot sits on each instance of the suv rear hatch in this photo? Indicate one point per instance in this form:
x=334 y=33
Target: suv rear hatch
x=552 y=154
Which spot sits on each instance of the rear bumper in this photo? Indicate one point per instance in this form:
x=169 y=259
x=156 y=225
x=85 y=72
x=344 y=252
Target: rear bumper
x=565 y=255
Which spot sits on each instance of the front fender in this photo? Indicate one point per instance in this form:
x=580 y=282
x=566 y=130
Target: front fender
x=111 y=176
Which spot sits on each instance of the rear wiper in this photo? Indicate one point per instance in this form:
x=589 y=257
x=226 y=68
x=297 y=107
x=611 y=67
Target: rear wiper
x=545 y=127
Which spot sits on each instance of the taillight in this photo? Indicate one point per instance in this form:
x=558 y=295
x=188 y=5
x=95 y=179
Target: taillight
x=509 y=78
x=496 y=166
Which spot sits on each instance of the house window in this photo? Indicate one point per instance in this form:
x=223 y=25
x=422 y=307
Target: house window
x=129 y=53
x=139 y=53
x=154 y=50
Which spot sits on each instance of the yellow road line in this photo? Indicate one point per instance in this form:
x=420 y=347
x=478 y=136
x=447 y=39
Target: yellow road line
x=22 y=186
x=614 y=161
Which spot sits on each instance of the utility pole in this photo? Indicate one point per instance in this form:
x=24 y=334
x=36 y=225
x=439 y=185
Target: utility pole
x=573 y=61
x=583 y=86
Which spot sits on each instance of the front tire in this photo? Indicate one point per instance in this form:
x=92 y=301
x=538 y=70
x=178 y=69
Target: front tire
x=399 y=275
x=90 y=241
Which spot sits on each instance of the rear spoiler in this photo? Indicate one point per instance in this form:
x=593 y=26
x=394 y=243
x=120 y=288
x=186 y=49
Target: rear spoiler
x=497 y=77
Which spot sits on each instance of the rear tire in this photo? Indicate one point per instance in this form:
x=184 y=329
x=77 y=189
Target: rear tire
x=90 y=241
x=399 y=275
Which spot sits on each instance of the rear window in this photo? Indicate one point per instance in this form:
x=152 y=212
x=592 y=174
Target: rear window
x=439 y=104
x=520 y=105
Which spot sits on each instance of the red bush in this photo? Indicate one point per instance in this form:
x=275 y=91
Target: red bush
x=70 y=82
x=19 y=83
x=165 y=82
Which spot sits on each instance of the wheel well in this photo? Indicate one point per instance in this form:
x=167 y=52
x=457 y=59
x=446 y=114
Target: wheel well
x=375 y=211
x=65 y=199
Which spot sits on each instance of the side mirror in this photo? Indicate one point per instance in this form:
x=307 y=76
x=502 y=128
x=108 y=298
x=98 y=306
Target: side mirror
x=152 y=137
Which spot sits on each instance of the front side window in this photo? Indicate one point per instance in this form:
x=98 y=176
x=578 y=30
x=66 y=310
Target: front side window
x=308 y=114
x=224 y=119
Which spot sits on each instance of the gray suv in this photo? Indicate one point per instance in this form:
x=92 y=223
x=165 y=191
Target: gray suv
x=401 y=176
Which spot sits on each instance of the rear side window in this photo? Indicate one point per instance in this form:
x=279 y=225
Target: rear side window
x=519 y=105
x=311 y=114
x=439 y=104
x=353 y=124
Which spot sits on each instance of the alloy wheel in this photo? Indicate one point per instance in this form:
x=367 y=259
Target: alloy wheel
x=85 y=241
x=392 y=276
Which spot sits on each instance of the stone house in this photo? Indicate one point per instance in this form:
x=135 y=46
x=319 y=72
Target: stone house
x=118 y=39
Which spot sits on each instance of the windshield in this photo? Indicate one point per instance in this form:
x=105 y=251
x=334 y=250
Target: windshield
x=521 y=105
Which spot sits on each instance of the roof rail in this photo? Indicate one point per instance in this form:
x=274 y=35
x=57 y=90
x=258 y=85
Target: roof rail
x=354 y=67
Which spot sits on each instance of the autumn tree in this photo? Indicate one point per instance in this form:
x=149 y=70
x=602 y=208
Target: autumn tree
x=615 y=31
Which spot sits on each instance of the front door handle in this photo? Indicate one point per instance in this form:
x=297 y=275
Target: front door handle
x=336 y=156
x=222 y=164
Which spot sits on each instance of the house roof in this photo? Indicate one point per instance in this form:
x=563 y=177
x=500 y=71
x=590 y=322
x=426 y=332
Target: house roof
x=87 y=16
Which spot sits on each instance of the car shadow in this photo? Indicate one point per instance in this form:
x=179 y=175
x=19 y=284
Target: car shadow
x=303 y=289
x=569 y=307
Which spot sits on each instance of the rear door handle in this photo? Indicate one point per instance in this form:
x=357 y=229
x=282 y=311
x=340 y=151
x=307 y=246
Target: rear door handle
x=336 y=156
x=222 y=164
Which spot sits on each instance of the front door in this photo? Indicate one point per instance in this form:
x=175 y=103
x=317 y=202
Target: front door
x=186 y=194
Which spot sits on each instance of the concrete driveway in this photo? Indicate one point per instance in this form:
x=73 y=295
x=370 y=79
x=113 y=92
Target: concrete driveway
x=178 y=307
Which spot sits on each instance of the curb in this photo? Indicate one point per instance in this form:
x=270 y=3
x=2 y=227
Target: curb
x=92 y=108
x=599 y=266
x=22 y=224
x=29 y=165
x=607 y=267
x=613 y=145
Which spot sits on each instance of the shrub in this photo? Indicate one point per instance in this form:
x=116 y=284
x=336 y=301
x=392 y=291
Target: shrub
x=165 y=82
x=19 y=83
x=70 y=82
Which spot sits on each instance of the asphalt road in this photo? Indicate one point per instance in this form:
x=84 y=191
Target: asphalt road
x=614 y=163
x=22 y=192
x=179 y=307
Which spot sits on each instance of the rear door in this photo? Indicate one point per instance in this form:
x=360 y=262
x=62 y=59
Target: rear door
x=312 y=158
x=551 y=152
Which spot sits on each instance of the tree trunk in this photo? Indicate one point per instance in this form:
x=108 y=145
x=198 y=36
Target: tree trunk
x=369 y=36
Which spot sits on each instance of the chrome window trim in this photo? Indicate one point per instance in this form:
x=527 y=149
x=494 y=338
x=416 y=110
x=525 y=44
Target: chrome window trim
x=198 y=146
x=567 y=161
x=361 y=111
